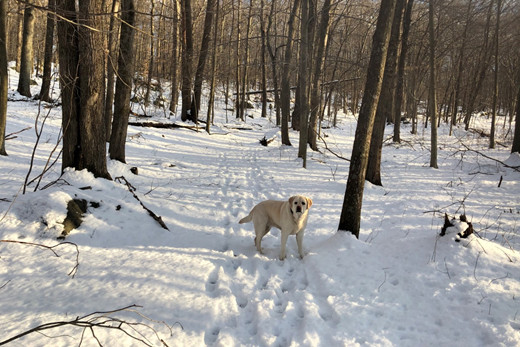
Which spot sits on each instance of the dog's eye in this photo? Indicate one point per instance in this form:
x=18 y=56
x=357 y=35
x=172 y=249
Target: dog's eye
x=303 y=203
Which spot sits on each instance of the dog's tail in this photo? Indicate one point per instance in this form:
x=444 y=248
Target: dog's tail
x=246 y=219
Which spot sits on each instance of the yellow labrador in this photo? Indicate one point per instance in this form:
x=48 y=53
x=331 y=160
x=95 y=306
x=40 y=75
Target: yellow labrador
x=288 y=216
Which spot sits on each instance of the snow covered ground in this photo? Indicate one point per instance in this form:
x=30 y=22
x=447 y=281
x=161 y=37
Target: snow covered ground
x=203 y=283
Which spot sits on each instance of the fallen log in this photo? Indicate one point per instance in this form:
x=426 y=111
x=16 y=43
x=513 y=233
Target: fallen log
x=164 y=125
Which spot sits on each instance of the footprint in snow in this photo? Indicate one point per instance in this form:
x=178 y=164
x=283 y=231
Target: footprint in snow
x=211 y=336
x=212 y=282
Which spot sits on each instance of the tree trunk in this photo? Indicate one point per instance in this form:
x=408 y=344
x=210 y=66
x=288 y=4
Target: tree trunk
x=211 y=101
x=315 y=93
x=68 y=65
x=274 y=70
x=432 y=98
x=92 y=89
x=386 y=102
x=47 y=59
x=460 y=69
x=26 y=62
x=151 y=63
x=245 y=65
x=263 y=51
x=111 y=67
x=350 y=219
x=237 y=57
x=82 y=86
x=285 y=96
x=306 y=27
x=125 y=73
x=19 y=38
x=482 y=67
x=495 y=77
x=204 y=49
x=187 y=56
x=407 y=19
x=516 y=138
x=4 y=83
x=174 y=67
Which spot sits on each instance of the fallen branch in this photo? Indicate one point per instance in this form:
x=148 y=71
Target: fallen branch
x=164 y=125
x=102 y=320
x=328 y=149
x=132 y=190
x=72 y=272
x=11 y=135
x=516 y=168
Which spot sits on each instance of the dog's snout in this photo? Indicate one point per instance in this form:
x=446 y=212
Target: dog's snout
x=298 y=208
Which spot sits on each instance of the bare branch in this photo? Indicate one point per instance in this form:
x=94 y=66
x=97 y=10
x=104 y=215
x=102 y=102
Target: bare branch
x=103 y=320
x=72 y=272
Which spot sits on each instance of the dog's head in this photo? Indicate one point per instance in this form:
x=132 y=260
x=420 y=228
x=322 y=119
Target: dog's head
x=299 y=204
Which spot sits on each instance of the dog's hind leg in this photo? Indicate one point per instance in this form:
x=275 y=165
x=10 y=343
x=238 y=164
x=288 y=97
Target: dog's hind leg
x=260 y=231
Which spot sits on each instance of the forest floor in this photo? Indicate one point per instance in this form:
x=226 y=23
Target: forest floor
x=203 y=283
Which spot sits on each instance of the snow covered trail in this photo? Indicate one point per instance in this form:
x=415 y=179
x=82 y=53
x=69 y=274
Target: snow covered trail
x=399 y=285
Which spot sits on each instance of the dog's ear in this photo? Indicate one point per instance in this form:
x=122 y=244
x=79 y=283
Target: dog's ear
x=291 y=199
x=309 y=202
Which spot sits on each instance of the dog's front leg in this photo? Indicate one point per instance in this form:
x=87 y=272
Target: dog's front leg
x=299 y=241
x=284 y=237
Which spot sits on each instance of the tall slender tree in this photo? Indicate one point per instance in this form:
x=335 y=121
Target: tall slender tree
x=187 y=56
x=125 y=73
x=386 y=101
x=315 y=91
x=516 y=137
x=432 y=89
x=48 y=55
x=285 y=94
x=174 y=62
x=4 y=83
x=350 y=219
x=27 y=55
x=203 y=54
x=111 y=68
x=304 y=75
x=495 y=77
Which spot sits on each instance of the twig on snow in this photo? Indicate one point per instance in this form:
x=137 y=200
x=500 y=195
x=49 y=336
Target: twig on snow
x=104 y=320
x=516 y=168
x=132 y=190
x=72 y=272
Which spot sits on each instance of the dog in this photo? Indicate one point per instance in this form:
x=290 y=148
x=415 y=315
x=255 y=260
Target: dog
x=288 y=216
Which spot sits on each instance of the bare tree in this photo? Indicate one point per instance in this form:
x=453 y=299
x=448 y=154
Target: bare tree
x=401 y=70
x=203 y=54
x=174 y=64
x=315 y=91
x=495 y=77
x=27 y=55
x=304 y=74
x=4 y=83
x=125 y=73
x=47 y=61
x=516 y=138
x=350 y=219
x=111 y=67
x=187 y=55
x=82 y=86
x=285 y=96
x=385 y=106
x=432 y=98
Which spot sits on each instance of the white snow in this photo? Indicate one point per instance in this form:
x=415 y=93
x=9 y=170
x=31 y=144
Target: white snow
x=203 y=283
